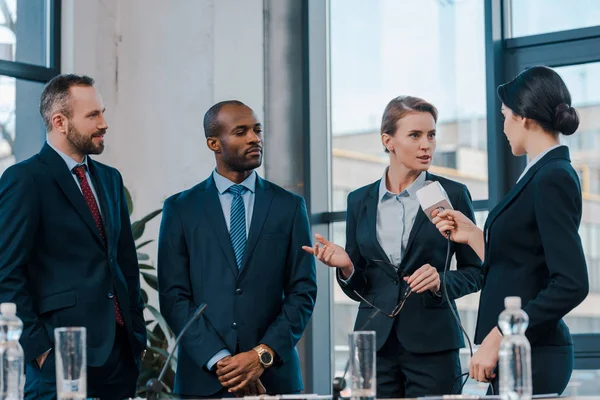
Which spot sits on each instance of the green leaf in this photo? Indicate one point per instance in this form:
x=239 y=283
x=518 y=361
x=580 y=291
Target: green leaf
x=164 y=353
x=139 y=246
x=143 y=257
x=152 y=337
x=146 y=266
x=138 y=226
x=144 y=296
x=161 y=321
x=129 y=201
x=151 y=280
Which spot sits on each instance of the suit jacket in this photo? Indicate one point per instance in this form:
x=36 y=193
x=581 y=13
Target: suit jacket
x=54 y=264
x=269 y=300
x=533 y=250
x=425 y=324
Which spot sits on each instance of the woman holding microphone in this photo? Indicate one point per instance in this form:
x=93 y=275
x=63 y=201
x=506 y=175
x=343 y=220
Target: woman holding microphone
x=530 y=243
x=392 y=250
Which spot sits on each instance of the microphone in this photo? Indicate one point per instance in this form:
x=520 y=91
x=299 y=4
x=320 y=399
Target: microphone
x=156 y=386
x=432 y=197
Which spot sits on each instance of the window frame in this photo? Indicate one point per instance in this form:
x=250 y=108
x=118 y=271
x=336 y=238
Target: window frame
x=38 y=73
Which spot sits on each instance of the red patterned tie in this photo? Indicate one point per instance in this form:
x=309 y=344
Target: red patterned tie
x=88 y=195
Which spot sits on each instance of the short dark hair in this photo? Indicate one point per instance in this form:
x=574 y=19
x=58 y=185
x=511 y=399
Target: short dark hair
x=211 y=118
x=399 y=107
x=56 y=97
x=540 y=94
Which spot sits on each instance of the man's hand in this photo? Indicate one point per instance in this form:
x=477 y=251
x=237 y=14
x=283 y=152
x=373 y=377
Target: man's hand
x=253 y=389
x=425 y=278
x=41 y=359
x=239 y=371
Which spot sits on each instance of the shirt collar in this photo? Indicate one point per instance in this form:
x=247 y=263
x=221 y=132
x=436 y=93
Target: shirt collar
x=538 y=158
x=223 y=184
x=410 y=191
x=68 y=160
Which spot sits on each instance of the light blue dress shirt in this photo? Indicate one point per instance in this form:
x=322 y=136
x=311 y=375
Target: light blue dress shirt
x=226 y=199
x=538 y=158
x=396 y=214
x=72 y=164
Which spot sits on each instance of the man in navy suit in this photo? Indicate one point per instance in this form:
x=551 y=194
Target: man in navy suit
x=67 y=254
x=235 y=243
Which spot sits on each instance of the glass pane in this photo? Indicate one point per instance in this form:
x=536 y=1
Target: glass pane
x=424 y=48
x=24 y=31
x=532 y=17
x=21 y=130
x=585 y=155
x=583 y=383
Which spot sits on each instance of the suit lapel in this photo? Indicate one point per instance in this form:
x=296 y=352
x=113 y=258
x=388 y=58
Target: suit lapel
x=214 y=214
x=262 y=203
x=66 y=182
x=558 y=153
x=419 y=220
x=371 y=203
x=100 y=179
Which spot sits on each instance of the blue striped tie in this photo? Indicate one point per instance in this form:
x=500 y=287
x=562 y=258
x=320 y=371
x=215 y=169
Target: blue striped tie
x=237 y=223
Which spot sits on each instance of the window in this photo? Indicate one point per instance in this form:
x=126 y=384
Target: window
x=431 y=49
x=24 y=31
x=586 y=158
x=532 y=17
x=28 y=59
x=19 y=101
x=454 y=54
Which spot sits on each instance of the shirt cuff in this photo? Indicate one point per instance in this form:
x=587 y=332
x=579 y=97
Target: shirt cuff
x=216 y=358
x=345 y=281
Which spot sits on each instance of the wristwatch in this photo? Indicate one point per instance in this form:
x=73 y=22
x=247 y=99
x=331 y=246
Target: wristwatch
x=265 y=358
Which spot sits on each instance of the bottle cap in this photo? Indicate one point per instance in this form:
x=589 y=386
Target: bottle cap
x=512 y=302
x=8 y=309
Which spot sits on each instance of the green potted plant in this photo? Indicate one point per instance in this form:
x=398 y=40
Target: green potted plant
x=159 y=333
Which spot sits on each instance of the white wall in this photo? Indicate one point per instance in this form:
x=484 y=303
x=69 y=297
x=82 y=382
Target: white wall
x=159 y=66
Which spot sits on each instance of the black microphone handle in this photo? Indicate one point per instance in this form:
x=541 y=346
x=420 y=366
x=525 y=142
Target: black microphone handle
x=156 y=386
x=198 y=312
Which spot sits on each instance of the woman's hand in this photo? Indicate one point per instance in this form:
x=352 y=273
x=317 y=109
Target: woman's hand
x=425 y=278
x=484 y=361
x=461 y=228
x=331 y=255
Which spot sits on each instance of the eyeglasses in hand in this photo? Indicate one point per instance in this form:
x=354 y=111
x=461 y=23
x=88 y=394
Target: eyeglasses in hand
x=405 y=292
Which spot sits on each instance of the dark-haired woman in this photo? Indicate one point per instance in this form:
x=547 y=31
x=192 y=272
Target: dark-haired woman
x=391 y=246
x=530 y=243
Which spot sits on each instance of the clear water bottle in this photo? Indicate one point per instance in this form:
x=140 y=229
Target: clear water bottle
x=11 y=353
x=515 y=352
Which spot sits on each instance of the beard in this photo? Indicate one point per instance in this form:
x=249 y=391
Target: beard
x=241 y=163
x=84 y=144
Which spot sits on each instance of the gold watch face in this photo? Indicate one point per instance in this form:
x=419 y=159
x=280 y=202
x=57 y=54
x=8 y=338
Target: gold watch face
x=266 y=357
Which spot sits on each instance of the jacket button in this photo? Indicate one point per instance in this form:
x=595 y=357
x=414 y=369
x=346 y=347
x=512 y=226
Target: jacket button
x=110 y=295
x=234 y=325
x=395 y=282
x=239 y=291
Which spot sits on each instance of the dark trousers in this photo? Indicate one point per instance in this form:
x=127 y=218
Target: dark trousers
x=115 y=380
x=551 y=368
x=401 y=374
